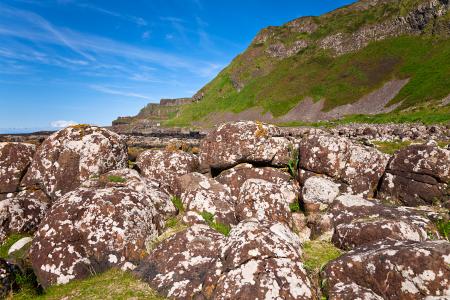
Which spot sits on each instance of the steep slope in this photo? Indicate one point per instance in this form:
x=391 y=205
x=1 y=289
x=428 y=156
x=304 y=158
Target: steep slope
x=371 y=57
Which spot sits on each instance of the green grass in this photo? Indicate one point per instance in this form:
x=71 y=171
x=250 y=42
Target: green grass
x=295 y=207
x=177 y=203
x=113 y=284
x=391 y=147
x=10 y=240
x=318 y=253
x=217 y=226
x=116 y=179
x=443 y=227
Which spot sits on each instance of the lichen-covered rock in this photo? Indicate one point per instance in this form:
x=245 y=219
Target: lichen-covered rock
x=357 y=221
x=14 y=161
x=131 y=179
x=418 y=175
x=391 y=270
x=202 y=194
x=253 y=142
x=7 y=279
x=264 y=201
x=357 y=166
x=235 y=177
x=165 y=166
x=91 y=230
x=23 y=212
x=259 y=261
x=318 y=193
x=177 y=267
x=72 y=155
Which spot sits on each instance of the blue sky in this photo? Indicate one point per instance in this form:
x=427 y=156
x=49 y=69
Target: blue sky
x=91 y=61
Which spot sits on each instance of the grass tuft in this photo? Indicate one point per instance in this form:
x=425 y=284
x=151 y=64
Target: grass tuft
x=318 y=253
x=113 y=284
x=116 y=179
x=177 y=203
x=217 y=226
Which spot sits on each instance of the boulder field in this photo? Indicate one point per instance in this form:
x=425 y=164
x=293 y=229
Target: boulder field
x=231 y=221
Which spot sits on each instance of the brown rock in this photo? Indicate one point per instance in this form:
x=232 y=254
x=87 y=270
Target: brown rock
x=165 y=166
x=14 y=161
x=391 y=270
x=73 y=155
x=89 y=231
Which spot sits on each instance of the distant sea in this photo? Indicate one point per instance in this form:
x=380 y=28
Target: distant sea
x=25 y=130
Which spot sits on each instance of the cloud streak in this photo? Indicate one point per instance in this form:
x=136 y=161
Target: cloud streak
x=107 y=90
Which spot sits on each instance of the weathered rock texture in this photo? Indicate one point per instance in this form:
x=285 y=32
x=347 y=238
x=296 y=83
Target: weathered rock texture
x=165 y=166
x=73 y=155
x=14 y=161
x=357 y=166
x=418 y=175
x=391 y=270
x=88 y=231
x=245 y=142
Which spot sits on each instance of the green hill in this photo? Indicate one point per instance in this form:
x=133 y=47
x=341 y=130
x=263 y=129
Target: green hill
x=389 y=57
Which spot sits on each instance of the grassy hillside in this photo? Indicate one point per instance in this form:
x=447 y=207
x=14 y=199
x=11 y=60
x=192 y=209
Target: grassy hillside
x=255 y=78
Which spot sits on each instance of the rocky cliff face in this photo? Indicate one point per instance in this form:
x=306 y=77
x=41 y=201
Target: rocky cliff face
x=370 y=57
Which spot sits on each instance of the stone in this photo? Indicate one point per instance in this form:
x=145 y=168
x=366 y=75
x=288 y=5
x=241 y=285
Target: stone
x=165 y=166
x=264 y=201
x=259 y=261
x=7 y=279
x=235 y=177
x=245 y=142
x=357 y=221
x=418 y=175
x=202 y=194
x=177 y=267
x=90 y=230
x=73 y=155
x=14 y=161
x=359 y=167
x=132 y=179
x=318 y=193
x=391 y=270
x=22 y=213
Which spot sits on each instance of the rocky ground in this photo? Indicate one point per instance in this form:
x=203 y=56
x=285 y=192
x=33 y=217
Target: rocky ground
x=234 y=215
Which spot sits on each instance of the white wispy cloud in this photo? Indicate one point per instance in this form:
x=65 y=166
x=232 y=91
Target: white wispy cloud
x=62 y=123
x=136 y=20
x=111 y=91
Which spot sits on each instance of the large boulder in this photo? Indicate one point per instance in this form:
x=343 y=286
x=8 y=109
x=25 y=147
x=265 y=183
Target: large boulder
x=72 y=155
x=90 y=230
x=132 y=179
x=264 y=201
x=177 y=267
x=235 y=177
x=165 y=166
x=391 y=270
x=418 y=175
x=253 y=142
x=205 y=195
x=23 y=212
x=259 y=261
x=356 y=221
x=14 y=161
x=357 y=166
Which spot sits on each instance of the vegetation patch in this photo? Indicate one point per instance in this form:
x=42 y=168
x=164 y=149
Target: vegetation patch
x=177 y=203
x=443 y=227
x=391 y=147
x=318 y=253
x=295 y=207
x=217 y=226
x=113 y=284
x=116 y=179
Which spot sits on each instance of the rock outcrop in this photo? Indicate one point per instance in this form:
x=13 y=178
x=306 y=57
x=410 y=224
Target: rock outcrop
x=73 y=155
x=14 y=161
